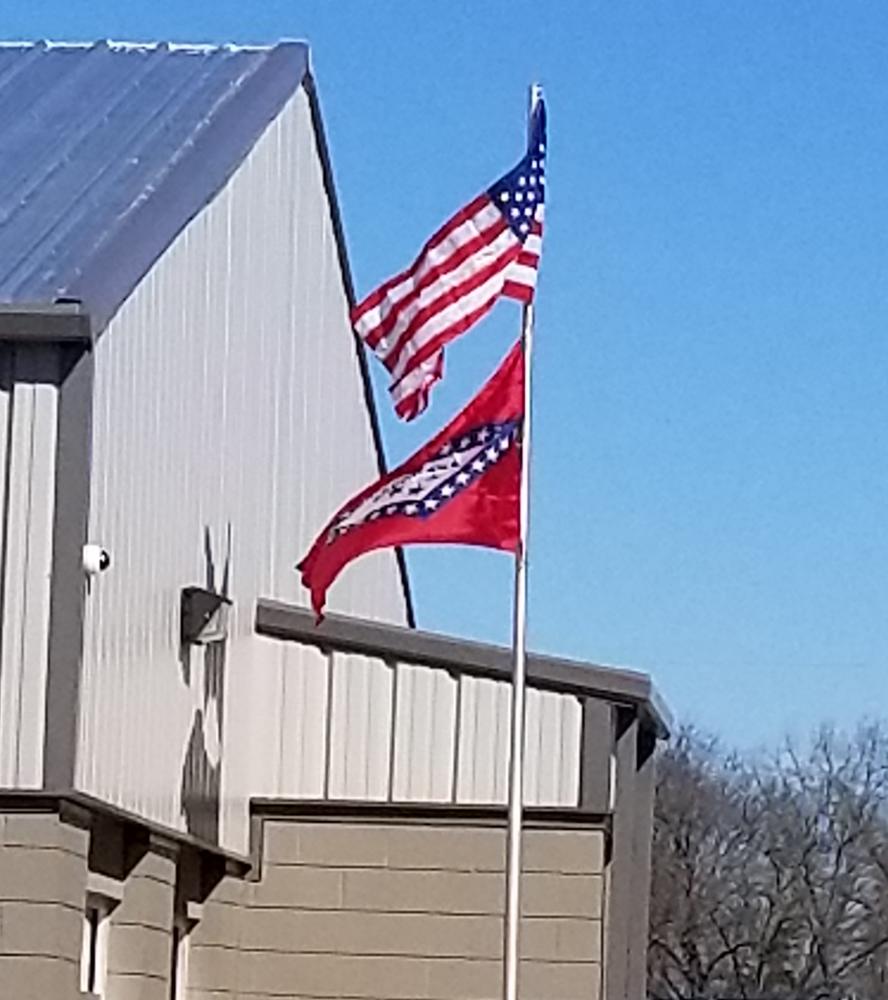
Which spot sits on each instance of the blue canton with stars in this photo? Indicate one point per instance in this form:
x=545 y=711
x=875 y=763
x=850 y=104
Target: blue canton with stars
x=518 y=192
x=452 y=469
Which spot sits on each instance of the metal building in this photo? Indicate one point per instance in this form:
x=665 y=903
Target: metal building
x=181 y=397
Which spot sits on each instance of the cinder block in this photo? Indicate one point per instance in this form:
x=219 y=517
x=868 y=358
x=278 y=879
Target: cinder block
x=424 y=891
x=134 y=949
x=447 y=848
x=464 y=980
x=579 y=852
x=312 y=888
x=38 y=978
x=156 y=868
x=340 y=844
x=44 y=874
x=336 y=976
x=220 y=925
x=44 y=830
x=550 y=895
x=148 y=894
x=280 y=842
x=218 y=970
x=368 y=933
x=560 y=981
x=124 y=987
x=48 y=929
x=560 y=938
x=230 y=890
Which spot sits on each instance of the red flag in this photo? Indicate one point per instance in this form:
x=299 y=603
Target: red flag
x=462 y=488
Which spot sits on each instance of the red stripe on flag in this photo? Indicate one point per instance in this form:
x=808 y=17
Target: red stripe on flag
x=523 y=293
x=448 y=334
x=463 y=215
x=411 y=394
x=452 y=295
x=451 y=263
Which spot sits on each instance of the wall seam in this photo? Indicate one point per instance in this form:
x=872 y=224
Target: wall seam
x=25 y=593
x=7 y=479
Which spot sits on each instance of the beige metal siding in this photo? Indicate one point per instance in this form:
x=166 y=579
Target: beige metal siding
x=228 y=394
x=484 y=741
x=551 y=740
x=360 y=725
x=554 y=724
x=425 y=734
x=353 y=727
x=28 y=420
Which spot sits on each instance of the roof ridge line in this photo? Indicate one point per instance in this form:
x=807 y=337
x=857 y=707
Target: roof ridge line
x=128 y=45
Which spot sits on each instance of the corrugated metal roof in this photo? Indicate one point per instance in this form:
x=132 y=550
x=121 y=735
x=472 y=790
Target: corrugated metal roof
x=109 y=149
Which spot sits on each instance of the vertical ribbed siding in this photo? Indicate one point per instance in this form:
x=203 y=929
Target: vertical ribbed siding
x=341 y=726
x=28 y=424
x=360 y=723
x=554 y=724
x=484 y=741
x=351 y=727
x=552 y=745
x=424 y=735
x=227 y=393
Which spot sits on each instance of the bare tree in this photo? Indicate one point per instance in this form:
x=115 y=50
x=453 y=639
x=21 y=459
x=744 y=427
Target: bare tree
x=770 y=879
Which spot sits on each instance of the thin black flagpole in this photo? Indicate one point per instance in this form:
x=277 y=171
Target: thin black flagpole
x=519 y=638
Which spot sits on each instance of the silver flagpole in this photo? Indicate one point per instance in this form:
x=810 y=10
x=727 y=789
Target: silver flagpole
x=516 y=759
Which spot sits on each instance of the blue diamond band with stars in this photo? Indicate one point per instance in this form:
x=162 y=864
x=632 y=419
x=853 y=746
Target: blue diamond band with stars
x=494 y=440
x=451 y=470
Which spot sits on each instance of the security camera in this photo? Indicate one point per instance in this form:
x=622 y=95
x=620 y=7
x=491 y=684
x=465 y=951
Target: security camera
x=95 y=560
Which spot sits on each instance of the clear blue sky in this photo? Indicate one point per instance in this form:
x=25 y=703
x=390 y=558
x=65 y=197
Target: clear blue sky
x=710 y=475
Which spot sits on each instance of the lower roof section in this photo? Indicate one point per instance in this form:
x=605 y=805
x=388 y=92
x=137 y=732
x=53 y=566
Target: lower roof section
x=394 y=643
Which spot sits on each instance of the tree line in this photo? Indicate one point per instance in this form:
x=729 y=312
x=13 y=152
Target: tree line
x=770 y=873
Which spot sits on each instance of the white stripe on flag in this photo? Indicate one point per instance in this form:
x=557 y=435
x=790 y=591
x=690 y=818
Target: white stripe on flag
x=451 y=314
x=533 y=244
x=522 y=274
x=386 y=348
x=437 y=255
x=417 y=383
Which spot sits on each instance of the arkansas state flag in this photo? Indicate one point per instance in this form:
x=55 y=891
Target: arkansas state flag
x=462 y=487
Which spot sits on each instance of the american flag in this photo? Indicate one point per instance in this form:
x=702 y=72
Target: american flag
x=488 y=249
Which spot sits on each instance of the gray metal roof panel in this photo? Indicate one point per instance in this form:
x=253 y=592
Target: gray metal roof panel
x=109 y=150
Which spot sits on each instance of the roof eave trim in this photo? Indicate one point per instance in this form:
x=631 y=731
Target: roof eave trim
x=45 y=323
x=357 y=635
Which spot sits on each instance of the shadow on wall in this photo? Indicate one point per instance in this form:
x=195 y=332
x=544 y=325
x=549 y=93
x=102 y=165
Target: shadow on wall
x=200 y=786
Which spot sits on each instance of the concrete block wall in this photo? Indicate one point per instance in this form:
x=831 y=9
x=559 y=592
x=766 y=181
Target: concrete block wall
x=375 y=907
x=140 y=935
x=388 y=910
x=43 y=875
x=216 y=969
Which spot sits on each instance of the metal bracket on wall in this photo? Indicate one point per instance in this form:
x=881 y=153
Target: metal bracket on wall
x=203 y=616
